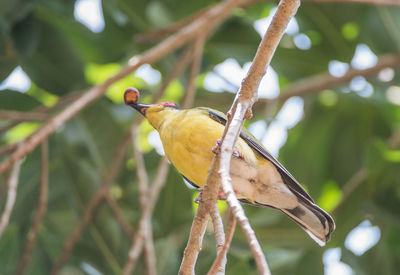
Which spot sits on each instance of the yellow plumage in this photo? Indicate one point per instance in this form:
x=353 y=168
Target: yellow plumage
x=188 y=137
x=198 y=134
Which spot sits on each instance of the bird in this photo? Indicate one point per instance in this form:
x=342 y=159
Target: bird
x=189 y=137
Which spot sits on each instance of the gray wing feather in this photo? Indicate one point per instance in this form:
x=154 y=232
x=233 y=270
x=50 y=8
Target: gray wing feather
x=288 y=179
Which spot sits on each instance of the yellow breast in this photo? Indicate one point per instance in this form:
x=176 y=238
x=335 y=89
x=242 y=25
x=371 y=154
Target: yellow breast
x=188 y=137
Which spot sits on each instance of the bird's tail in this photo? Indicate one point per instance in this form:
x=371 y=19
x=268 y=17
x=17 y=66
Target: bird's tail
x=315 y=221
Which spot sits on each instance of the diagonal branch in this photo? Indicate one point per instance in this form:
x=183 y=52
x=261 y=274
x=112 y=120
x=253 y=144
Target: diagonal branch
x=241 y=109
x=219 y=237
x=12 y=184
x=194 y=71
x=324 y=81
x=138 y=241
x=69 y=244
x=26 y=116
x=118 y=215
x=218 y=265
x=393 y=3
x=144 y=236
x=41 y=209
x=211 y=18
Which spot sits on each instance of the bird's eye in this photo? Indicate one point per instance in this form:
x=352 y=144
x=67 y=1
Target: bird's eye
x=168 y=104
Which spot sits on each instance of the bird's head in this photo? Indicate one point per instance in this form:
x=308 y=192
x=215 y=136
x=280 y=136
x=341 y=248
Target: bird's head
x=154 y=113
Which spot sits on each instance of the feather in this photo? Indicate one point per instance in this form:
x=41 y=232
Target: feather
x=307 y=214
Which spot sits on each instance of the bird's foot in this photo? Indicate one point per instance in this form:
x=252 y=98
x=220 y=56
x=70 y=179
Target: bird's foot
x=198 y=198
x=217 y=146
x=235 y=152
x=220 y=195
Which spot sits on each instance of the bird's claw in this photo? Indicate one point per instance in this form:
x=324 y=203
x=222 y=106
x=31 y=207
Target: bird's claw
x=220 y=195
x=235 y=152
x=217 y=146
x=198 y=198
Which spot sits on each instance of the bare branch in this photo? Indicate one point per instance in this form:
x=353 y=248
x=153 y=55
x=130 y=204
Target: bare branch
x=393 y=3
x=119 y=216
x=27 y=116
x=176 y=71
x=193 y=246
x=361 y=175
x=211 y=18
x=12 y=184
x=43 y=110
x=208 y=201
x=143 y=236
x=241 y=109
x=138 y=241
x=150 y=255
x=92 y=205
x=218 y=265
x=159 y=33
x=324 y=81
x=219 y=237
x=8 y=148
x=194 y=71
x=41 y=209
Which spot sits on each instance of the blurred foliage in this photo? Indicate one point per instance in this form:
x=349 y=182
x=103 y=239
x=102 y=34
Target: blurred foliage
x=339 y=134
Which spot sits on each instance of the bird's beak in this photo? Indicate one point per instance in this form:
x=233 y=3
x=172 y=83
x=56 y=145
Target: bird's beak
x=131 y=97
x=141 y=108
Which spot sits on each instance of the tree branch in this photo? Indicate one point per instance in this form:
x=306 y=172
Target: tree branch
x=218 y=265
x=177 y=70
x=26 y=116
x=324 y=81
x=393 y=3
x=41 y=209
x=241 y=109
x=211 y=18
x=137 y=243
x=92 y=205
x=194 y=71
x=12 y=184
x=119 y=216
x=219 y=237
x=143 y=236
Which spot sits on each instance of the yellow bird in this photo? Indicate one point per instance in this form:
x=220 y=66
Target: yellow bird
x=188 y=136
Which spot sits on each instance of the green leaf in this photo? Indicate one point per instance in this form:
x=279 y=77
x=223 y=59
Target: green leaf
x=51 y=63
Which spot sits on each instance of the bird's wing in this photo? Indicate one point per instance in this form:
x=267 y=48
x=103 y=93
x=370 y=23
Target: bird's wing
x=288 y=179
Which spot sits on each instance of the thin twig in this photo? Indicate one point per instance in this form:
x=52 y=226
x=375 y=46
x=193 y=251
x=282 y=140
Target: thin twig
x=26 y=116
x=8 y=148
x=362 y=174
x=200 y=220
x=137 y=243
x=194 y=71
x=118 y=215
x=176 y=71
x=43 y=109
x=241 y=109
x=41 y=209
x=69 y=244
x=219 y=236
x=211 y=18
x=159 y=33
x=12 y=184
x=324 y=81
x=218 y=265
x=393 y=3
x=143 y=235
